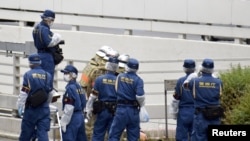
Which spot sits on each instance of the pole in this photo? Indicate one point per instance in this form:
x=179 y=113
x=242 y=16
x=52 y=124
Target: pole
x=166 y=110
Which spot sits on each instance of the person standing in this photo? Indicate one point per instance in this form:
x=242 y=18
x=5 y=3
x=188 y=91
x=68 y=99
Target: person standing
x=73 y=104
x=91 y=71
x=206 y=91
x=46 y=41
x=104 y=91
x=35 y=119
x=185 y=104
x=123 y=60
x=130 y=97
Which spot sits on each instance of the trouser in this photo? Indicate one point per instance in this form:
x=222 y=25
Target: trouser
x=75 y=129
x=48 y=64
x=184 y=123
x=126 y=117
x=35 y=120
x=200 y=126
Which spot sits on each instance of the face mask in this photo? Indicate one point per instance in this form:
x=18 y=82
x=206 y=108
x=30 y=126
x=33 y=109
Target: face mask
x=50 y=23
x=66 y=77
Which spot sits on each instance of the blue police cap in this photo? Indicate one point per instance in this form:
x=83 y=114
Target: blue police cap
x=34 y=59
x=133 y=63
x=208 y=63
x=70 y=68
x=189 y=63
x=48 y=13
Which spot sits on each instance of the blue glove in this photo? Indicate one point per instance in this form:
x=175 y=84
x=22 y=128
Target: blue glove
x=20 y=111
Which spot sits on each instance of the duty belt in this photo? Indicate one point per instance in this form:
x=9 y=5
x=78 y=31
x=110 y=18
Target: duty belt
x=128 y=102
x=108 y=103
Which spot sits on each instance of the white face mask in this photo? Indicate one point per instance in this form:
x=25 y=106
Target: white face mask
x=66 y=77
x=50 y=23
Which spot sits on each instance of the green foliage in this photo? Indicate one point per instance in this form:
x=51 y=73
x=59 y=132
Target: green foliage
x=241 y=113
x=236 y=84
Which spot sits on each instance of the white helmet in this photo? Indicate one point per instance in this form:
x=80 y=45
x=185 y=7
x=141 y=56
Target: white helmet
x=111 y=53
x=103 y=51
x=123 y=59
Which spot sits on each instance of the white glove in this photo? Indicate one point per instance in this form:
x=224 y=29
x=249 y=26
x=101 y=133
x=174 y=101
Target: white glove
x=89 y=105
x=89 y=114
x=141 y=100
x=20 y=111
x=56 y=38
x=66 y=117
x=63 y=126
x=174 y=108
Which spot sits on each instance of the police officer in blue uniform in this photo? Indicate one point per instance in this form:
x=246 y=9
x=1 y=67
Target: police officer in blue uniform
x=45 y=41
x=104 y=91
x=34 y=117
x=130 y=96
x=206 y=91
x=73 y=104
x=185 y=104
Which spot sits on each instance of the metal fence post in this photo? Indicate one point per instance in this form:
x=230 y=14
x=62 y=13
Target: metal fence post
x=16 y=73
x=166 y=110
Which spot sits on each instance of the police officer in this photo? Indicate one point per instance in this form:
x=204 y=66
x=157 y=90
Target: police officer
x=123 y=60
x=45 y=41
x=104 y=91
x=185 y=104
x=34 y=117
x=73 y=104
x=206 y=91
x=130 y=96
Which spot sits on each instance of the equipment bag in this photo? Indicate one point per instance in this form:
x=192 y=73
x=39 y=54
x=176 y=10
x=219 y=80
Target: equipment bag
x=98 y=106
x=213 y=112
x=37 y=98
x=57 y=55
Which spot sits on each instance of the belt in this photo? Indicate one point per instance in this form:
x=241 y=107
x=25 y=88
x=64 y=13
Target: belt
x=128 y=102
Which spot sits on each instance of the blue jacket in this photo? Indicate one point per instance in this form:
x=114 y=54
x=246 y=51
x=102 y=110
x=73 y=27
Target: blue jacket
x=206 y=90
x=129 y=85
x=74 y=95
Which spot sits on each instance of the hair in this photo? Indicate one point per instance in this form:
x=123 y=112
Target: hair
x=188 y=70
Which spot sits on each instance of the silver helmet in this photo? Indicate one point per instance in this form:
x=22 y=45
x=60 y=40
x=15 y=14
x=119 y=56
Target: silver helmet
x=103 y=51
x=123 y=60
